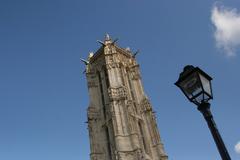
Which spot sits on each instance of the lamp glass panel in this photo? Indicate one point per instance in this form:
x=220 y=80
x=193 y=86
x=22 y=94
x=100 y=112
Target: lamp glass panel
x=199 y=98
x=206 y=84
x=206 y=97
x=191 y=85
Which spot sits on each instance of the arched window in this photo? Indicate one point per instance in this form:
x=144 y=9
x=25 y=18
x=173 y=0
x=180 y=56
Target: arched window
x=130 y=85
x=142 y=136
x=106 y=77
x=102 y=94
x=108 y=143
x=122 y=75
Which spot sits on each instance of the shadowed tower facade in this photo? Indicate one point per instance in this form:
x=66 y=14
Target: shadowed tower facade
x=121 y=123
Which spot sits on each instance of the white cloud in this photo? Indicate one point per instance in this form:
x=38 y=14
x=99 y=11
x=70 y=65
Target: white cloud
x=237 y=147
x=227 y=28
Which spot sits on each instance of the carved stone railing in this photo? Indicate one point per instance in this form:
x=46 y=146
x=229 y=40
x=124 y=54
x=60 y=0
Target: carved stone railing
x=117 y=93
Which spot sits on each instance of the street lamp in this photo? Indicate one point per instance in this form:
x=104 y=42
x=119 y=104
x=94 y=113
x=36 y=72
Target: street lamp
x=196 y=86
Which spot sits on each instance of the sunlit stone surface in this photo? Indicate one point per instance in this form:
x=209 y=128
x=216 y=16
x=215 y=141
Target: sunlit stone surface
x=121 y=123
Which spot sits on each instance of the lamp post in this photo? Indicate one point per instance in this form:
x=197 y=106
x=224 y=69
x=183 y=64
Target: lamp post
x=196 y=86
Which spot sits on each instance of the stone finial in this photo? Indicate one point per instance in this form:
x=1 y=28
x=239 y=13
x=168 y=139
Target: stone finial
x=107 y=37
x=107 y=40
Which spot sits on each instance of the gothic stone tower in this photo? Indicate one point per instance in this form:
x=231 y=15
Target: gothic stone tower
x=121 y=123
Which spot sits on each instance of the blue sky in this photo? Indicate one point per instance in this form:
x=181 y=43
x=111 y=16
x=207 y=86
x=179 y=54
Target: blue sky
x=43 y=93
